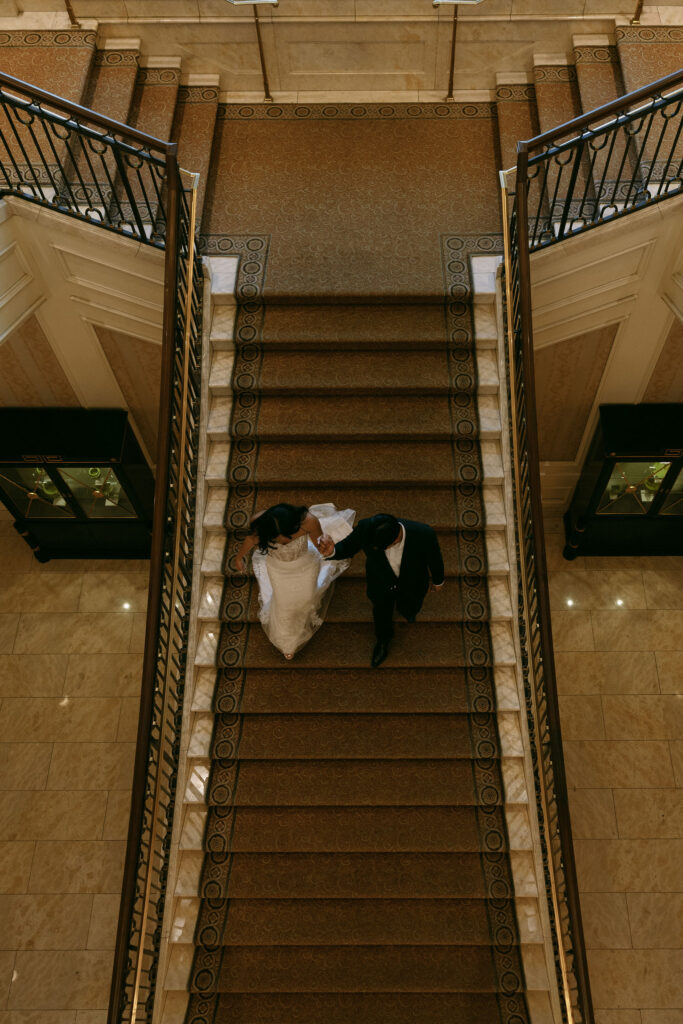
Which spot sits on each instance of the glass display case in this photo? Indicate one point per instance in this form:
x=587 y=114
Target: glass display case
x=629 y=498
x=76 y=482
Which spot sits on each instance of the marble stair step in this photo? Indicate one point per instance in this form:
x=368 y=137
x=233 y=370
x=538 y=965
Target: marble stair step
x=338 y=372
x=291 y=922
x=460 y=555
x=368 y=463
x=462 y=598
x=382 y=417
x=444 y=507
x=330 y=783
x=409 y=690
x=367 y=969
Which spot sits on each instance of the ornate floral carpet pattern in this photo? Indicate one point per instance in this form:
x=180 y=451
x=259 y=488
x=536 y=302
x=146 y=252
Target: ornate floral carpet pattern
x=356 y=861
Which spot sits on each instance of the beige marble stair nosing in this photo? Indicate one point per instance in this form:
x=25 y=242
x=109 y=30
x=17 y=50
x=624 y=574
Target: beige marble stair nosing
x=204 y=685
x=487 y=372
x=189 y=873
x=220 y=372
x=514 y=780
x=200 y=738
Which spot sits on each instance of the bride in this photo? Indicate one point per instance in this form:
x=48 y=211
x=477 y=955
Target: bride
x=295 y=583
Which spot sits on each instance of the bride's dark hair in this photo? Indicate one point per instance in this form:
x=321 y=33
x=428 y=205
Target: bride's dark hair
x=279 y=520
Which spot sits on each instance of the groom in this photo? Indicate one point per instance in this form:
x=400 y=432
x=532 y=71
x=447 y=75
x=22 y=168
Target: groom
x=400 y=557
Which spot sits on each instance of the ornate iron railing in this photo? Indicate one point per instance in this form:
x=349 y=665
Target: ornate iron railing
x=74 y=161
x=614 y=161
x=610 y=162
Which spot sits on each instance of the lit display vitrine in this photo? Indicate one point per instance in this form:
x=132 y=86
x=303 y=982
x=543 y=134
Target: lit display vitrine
x=76 y=482
x=629 y=498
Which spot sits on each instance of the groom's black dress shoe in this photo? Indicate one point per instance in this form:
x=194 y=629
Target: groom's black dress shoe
x=379 y=653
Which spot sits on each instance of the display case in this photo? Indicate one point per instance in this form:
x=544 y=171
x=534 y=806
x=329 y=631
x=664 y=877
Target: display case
x=76 y=482
x=629 y=498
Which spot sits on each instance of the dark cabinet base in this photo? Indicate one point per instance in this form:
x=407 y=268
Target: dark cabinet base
x=607 y=537
x=87 y=540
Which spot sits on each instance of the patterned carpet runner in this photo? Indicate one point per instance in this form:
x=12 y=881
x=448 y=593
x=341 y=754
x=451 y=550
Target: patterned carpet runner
x=356 y=866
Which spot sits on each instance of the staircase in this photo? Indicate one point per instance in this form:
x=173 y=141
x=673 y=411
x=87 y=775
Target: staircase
x=355 y=843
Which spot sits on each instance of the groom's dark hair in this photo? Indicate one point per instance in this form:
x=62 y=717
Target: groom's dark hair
x=384 y=531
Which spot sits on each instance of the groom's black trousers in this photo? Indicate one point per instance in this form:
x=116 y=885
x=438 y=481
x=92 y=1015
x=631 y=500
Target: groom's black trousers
x=383 y=604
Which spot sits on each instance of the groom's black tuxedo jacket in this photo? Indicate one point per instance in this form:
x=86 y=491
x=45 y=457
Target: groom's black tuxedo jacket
x=421 y=557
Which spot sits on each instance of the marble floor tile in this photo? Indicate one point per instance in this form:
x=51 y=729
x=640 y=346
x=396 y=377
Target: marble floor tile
x=640 y=977
x=72 y=633
x=649 y=813
x=605 y=920
x=617 y=1017
x=656 y=919
x=670 y=670
x=581 y=718
x=117 y=676
x=24 y=765
x=596 y=590
x=78 y=867
x=117 y=814
x=21 y=592
x=622 y=630
x=127 y=730
x=572 y=631
x=628 y=764
x=55 y=815
x=38 y=1017
x=15 y=865
x=629 y=865
x=32 y=675
x=65 y=979
x=52 y=720
x=83 y=766
x=114 y=592
x=103 y=921
x=643 y=717
x=676 y=750
x=15 y=554
x=44 y=921
x=592 y=813
x=9 y=625
x=606 y=672
x=664 y=588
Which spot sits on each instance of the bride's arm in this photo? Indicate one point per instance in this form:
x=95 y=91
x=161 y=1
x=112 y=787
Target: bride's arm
x=246 y=546
x=312 y=527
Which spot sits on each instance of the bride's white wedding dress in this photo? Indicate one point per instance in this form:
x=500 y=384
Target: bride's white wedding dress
x=295 y=582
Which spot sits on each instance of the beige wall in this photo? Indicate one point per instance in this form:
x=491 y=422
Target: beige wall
x=620 y=680
x=70 y=659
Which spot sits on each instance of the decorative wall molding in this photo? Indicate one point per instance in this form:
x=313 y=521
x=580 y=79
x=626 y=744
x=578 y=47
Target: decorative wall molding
x=158 y=76
x=550 y=73
x=48 y=38
x=596 y=55
x=650 y=34
x=352 y=111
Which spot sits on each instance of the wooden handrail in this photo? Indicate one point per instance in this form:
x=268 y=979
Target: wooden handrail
x=615 y=107
x=155 y=587
x=543 y=593
x=23 y=88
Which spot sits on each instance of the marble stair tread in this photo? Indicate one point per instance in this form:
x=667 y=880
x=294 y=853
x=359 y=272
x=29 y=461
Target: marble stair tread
x=218 y=422
x=385 y=417
x=443 y=506
x=220 y=372
x=336 y=372
x=410 y=690
x=317 y=463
